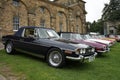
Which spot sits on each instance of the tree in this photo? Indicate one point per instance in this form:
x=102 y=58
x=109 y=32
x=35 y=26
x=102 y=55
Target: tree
x=113 y=11
x=118 y=29
x=97 y=26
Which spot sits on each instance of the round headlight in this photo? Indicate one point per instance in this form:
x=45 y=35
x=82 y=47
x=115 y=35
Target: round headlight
x=77 y=52
x=105 y=47
x=84 y=51
x=93 y=50
x=81 y=51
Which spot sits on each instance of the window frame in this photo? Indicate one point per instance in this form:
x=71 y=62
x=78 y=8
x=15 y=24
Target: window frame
x=42 y=23
x=16 y=23
x=42 y=9
x=61 y=26
x=16 y=2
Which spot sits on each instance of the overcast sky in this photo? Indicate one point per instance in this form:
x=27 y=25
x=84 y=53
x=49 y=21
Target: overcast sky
x=94 y=9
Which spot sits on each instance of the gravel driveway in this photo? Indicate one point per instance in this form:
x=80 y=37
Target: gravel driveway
x=1 y=46
x=2 y=77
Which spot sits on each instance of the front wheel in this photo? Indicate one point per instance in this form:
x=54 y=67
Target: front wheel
x=9 y=48
x=55 y=58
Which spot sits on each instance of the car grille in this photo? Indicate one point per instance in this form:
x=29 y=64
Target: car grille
x=106 y=48
x=88 y=50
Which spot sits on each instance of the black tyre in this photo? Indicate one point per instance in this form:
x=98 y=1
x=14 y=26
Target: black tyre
x=55 y=58
x=9 y=48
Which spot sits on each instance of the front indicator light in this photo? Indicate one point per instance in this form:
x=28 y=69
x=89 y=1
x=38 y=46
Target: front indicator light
x=68 y=51
x=81 y=51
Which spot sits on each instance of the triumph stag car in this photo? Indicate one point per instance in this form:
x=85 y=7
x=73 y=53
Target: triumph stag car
x=44 y=42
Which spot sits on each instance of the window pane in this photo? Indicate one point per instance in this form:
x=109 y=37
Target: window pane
x=16 y=2
x=42 y=9
x=42 y=23
x=61 y=26
x=15 y=23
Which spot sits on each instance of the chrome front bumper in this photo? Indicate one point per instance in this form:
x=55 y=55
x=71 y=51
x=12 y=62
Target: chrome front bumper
x=81 y=57
x=104 y=50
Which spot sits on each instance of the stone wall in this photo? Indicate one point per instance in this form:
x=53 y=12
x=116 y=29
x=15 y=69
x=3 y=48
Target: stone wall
x=33 y=12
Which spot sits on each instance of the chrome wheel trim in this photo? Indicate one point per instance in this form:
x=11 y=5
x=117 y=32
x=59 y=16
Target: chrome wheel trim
x=55 y=58
x=9 y=48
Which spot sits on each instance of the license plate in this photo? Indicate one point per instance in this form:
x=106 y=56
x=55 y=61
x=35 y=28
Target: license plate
x=91 y=58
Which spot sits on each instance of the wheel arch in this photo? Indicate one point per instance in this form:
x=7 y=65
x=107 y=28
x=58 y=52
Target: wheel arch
x=7 y=42
x=53 y=47
x=63 y=57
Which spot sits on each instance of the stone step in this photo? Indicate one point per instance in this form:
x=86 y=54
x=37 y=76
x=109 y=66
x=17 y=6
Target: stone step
x=2 y=77
x=1 y=46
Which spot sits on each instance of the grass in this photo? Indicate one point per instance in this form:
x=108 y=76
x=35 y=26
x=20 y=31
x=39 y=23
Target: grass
x=25 y=67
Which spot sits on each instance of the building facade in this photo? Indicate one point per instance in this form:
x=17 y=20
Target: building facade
x=61 y=15
x=110 y=27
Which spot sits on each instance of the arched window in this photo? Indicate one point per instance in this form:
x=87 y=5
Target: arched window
x=16 y=23
x=42 y=9
x=77 y=28
x=16 y=2
x=42 y=23
x=77 y=24
x=61 y=27
x=61 y=21
x=60 y=14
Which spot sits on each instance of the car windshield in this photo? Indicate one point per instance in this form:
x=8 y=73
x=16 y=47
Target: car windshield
x=71 y=36
x=94 y=36
x=111 y=36
x=65 y=35
x=76 y=36
x=118 y=36
x=102 y=36
x=47 y=33
x=87 y=37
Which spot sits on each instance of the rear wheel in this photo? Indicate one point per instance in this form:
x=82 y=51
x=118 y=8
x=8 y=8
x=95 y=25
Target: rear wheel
x=55 y=58
x=9 y=48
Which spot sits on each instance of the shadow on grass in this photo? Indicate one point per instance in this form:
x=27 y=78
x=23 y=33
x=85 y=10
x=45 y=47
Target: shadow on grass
x=70 y=64
x=102 y=56
x=78 y=65
x=30 y=56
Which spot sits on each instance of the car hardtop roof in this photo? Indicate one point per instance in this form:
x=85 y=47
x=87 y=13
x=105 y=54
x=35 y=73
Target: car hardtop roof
x=34 y=27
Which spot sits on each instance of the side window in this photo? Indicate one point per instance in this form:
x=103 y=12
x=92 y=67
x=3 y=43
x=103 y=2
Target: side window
x=29 y=33
x=36 y=33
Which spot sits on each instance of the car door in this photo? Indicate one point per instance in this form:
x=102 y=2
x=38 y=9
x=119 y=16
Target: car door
x=28 y=40
x=31 y=43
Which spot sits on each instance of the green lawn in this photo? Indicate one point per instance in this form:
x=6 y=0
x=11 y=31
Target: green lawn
x=25 y=67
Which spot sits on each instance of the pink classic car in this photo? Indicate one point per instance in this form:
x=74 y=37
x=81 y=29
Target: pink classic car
x=99 y=47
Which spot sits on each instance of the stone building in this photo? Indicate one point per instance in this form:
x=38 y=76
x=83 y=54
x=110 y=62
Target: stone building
x=110 y=27
x=61 y=15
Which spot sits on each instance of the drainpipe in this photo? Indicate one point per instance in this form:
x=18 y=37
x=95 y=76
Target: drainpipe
x=0 y=33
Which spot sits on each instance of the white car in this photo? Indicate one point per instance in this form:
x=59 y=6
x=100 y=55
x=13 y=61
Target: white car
x=88 y=37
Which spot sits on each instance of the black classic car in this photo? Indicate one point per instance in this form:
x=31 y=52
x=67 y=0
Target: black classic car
x=44 y=42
